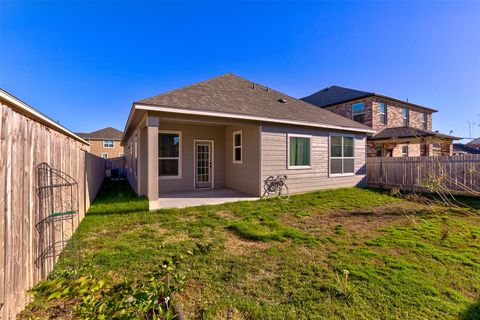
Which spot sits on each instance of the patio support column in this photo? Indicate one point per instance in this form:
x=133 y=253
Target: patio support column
x=152 y=161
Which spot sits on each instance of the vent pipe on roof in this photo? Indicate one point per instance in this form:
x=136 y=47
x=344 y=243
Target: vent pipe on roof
x=253 y=85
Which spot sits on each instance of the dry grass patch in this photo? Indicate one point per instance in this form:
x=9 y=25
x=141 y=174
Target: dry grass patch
x=238 y=246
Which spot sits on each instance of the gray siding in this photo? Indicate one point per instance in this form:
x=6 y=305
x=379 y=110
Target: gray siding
x=274 y=159
x=190 y=133
x=245 y=176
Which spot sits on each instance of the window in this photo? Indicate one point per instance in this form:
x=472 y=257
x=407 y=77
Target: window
x=379 y=151
x=108 y=143
x=424 y=120
x=404 y=151
x=342 y=160
x=406 y=116
x=358 y=110
x=121 y=154
x=237 y=147
x=299 y=151
x=169 y=154
x=383 y=113
x=104 y=155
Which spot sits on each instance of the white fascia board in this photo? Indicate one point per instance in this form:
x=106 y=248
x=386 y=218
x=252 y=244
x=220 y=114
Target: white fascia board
x=244 y=117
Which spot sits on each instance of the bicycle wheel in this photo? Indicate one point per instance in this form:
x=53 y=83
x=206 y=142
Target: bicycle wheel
x=282 y=192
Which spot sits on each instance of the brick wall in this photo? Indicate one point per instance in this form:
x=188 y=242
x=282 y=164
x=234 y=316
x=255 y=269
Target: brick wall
x=394 y=113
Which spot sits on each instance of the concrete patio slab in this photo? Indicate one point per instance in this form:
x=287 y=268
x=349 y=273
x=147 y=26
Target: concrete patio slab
x=200 y=197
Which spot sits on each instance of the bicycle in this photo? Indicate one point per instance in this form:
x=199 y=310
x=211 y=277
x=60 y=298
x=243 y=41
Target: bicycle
x=276 y=186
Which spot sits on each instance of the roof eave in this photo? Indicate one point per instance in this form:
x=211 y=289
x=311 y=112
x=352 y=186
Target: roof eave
x=150 y=107
x=380 y=96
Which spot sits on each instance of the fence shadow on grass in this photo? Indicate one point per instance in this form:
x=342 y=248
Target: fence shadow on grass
x=116 y=197
x=472 y=312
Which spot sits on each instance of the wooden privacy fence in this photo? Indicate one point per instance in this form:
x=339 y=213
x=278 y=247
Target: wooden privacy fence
x=24 y=144
x=456 y=174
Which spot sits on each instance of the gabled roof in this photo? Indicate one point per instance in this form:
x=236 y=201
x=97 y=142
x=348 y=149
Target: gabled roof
x=335 y=95
x=408 y=132
x=232 y=96
x=459 y=147
x=474 y=143
x=103 y=134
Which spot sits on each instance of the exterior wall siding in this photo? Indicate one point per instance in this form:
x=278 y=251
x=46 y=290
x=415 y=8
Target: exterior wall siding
x=274 y=159
x=245 y=176
x=96 y=147
x=189 y=134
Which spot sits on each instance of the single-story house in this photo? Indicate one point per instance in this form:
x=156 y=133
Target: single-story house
x=229 y=132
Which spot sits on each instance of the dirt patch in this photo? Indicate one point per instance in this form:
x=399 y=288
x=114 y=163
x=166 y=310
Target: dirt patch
x=362 y=223
x=230 y=313
x=238 y=246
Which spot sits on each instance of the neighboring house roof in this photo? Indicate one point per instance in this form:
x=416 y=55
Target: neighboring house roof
x=408 y=132
x=108 y=133
x=474 y=143
x=335 y=95
x=235 y=97
x=459 y=147
x=23 y=108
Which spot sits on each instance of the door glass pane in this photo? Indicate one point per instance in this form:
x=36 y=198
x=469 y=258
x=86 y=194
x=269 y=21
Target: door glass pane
x=347 y=147
x=299 y=151
x=348 y=166
x=336 y=146
x=168 y=145
x=336 y=166
x=168 y=167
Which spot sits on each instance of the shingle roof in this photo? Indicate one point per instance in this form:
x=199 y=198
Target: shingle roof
x=474 y=143
x=235 y=95
x=408 y=132
x=465 y=148
x=105 y=133
x=335 y=95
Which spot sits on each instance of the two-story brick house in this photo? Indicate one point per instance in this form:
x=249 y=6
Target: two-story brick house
x=403 y=128
x=105 y=142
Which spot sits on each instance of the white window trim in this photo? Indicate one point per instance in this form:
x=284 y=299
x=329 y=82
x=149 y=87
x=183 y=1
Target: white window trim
x=424 y=121
x=406 y=117
x=104 y=153
x=180 y=147
x=358 y=113
x=107 y=147
x=383 y=113
x=234 y=133
x=295 y=135
x=212 y=173
x=333 y=175
x=405 y=154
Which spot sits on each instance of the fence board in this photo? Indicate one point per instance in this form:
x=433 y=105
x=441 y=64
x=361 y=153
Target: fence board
x=458 y=174
x=25 y=143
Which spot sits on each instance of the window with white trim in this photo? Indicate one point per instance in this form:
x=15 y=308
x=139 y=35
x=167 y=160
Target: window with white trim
x=404 y=151
x=383 y=113
x=104 y=155
x=299 y=151
x=358 y=111
x=170 y=154
x=108 y=143
x=237 y=146
x=424 y=120
x=406 y=116
x=342 y=155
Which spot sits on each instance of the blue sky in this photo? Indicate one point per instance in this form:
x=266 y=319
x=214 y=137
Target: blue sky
x=84 y=63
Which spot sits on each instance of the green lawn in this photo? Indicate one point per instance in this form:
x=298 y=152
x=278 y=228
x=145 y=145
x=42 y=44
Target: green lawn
x=336 y=254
